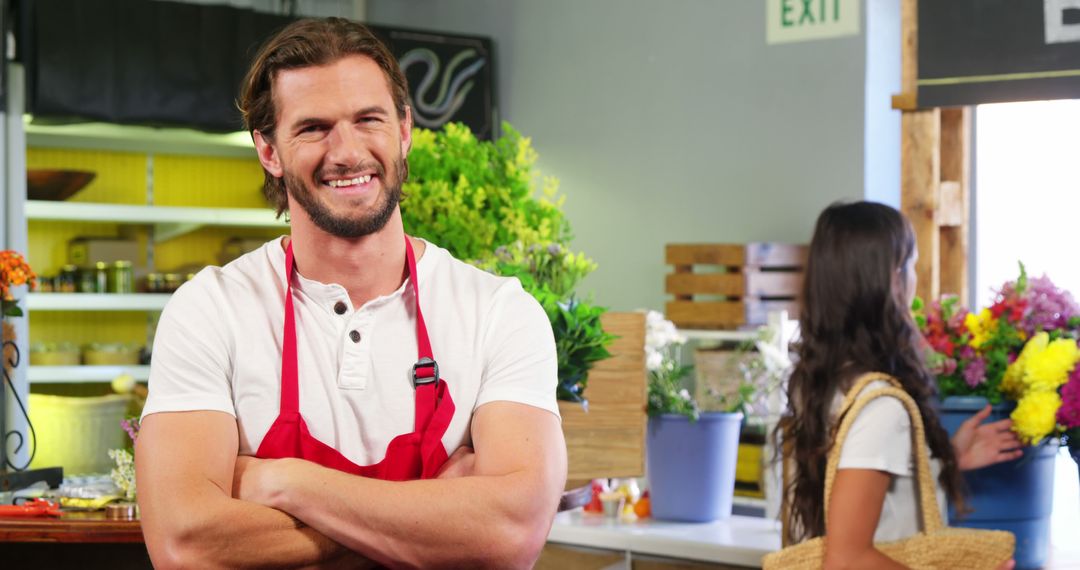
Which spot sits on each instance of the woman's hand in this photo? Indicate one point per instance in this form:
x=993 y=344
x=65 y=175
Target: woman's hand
x=979 y=445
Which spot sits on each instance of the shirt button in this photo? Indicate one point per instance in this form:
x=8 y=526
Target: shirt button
x=340 y=307
x=354 y=335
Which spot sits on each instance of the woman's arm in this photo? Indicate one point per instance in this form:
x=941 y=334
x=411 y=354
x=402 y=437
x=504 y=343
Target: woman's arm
x=854 y=512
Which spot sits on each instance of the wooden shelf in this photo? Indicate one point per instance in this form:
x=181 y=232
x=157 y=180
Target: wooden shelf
x=96 y=301
x=168 y=221
x=81 y=374
x=127 y=138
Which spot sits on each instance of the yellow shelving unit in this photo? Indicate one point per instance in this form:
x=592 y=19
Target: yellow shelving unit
x=179 y=194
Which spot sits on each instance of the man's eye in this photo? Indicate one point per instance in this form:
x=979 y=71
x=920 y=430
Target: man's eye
x=311 y=129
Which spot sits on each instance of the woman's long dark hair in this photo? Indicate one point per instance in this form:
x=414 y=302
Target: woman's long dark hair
x=854 y=320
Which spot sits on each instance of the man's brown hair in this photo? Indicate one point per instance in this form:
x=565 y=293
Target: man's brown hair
x=307 y=43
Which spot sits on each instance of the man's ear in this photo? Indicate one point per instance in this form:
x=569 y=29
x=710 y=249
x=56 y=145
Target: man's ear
x=268 y=155
x=406 y=132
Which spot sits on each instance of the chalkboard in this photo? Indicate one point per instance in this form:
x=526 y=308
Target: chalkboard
x=988 y=51
x=179 y=64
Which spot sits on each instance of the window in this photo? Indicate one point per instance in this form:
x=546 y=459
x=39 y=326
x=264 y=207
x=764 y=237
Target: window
x=1027 y=208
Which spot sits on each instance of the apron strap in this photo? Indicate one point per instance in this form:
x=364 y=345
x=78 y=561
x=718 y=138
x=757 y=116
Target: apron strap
x=290 y=375
x=425 y=373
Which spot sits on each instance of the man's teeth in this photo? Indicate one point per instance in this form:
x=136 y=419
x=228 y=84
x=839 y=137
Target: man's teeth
x=350 y=182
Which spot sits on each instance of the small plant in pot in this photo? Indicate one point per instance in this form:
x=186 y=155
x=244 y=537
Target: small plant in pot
x=690 y=454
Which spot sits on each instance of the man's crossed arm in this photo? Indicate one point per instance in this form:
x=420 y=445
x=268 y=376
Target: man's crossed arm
x=204 y=507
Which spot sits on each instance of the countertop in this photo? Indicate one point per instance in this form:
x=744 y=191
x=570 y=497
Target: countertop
x=738 y=540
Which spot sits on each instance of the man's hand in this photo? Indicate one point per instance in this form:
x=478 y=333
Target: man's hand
x=249 y=479
x=979 y=445
x=460 y=464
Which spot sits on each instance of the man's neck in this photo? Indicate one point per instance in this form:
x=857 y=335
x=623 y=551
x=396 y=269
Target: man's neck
x=368 y=267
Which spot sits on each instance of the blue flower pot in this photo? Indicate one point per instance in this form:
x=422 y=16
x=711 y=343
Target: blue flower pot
x=691 y=465
x=1016 y=496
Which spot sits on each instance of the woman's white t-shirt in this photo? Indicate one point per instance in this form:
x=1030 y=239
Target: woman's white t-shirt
x=881 y=439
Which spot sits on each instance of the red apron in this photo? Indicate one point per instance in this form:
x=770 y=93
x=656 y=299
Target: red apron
x=414 y=455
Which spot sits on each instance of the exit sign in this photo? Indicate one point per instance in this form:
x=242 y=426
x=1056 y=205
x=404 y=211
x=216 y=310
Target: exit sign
x=801 y=20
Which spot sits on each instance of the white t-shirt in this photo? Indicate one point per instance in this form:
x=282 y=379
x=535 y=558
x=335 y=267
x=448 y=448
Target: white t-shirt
x=881 y=439
x=218 y=347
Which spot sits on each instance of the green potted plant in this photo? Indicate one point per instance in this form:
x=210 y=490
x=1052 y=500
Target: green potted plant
x=481 y=201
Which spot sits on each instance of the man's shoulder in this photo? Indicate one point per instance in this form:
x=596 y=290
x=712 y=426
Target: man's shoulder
x=250 y=274
x=468 y=280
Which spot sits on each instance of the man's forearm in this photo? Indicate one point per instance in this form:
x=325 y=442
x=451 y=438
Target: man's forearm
x=238 y=534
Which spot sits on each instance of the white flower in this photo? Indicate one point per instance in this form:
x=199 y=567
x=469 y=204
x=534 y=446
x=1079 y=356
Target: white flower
x=124 y=473
x=775 y=360
x=684 y=394
x=653 y=360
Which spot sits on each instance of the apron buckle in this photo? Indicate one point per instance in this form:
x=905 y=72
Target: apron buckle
x=425 y=362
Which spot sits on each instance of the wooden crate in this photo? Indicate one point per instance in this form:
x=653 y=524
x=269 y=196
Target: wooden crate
x=609 y=439
x=721 y=286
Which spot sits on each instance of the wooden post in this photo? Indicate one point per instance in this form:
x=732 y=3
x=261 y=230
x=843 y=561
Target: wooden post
x=955 y=195
x=935 y=175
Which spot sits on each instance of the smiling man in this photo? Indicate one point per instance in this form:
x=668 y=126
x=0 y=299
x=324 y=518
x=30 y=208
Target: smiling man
x=347 y=395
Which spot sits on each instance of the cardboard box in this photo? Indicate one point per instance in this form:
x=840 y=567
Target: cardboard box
x=86 y=251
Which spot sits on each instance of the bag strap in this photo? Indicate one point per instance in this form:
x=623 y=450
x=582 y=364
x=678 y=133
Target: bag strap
x=931 y=515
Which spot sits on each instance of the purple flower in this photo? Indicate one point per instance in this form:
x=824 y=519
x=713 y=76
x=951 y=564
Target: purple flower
x=1049 y=308
x=131 y=426
x=967 y=352
x=975 y=373
x=1068 y=414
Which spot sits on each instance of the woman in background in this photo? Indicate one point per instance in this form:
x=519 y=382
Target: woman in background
x=856 y=318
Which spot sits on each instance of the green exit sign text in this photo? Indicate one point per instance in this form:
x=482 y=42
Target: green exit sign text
x=800 y=20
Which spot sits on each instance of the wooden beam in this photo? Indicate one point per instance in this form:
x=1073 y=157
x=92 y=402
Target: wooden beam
x=952 y=207
x=956 y=170
x=907 y=99
x=919 y=179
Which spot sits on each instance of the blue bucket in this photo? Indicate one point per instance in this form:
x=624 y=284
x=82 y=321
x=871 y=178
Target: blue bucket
x=691 y=466
x=1016 y=496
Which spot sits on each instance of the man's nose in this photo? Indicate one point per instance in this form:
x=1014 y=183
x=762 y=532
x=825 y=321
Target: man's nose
x=346 y=146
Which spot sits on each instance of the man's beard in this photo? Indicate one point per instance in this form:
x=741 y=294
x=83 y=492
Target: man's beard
x=349 y=226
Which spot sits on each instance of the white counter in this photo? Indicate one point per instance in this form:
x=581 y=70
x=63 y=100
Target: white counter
x=740 y=541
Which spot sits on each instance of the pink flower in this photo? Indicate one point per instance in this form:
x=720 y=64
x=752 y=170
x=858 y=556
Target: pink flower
x=1068 y=414
x=975 y=373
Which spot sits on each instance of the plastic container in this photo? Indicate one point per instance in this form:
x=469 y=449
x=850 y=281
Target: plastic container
x=1016 y=496
x=77 y=433
x=691 y=465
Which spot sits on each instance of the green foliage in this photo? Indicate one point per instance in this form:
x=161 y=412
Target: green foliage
x=667 y=394
x=550 y=267
x=472 y=196
x=480 y=200
x=580 y=341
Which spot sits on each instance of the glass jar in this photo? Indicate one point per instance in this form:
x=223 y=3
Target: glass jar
x=173 y=281
x=155 y=282
x=67 y=281
x=121 y=277
x=101 y=277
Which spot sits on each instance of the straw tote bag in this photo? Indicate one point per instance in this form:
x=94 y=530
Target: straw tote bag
x=937 y=546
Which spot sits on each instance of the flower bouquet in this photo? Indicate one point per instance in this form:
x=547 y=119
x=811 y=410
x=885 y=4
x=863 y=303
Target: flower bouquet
x=1023 y=348
x=14 y=271
x=1021 y=355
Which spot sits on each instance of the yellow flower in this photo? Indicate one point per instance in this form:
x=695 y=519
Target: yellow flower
x=1012 y=384
x=981 y=325
x=1033 y=418
x=1050 y=368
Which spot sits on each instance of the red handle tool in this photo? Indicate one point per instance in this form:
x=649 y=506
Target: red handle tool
x=31 y=508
